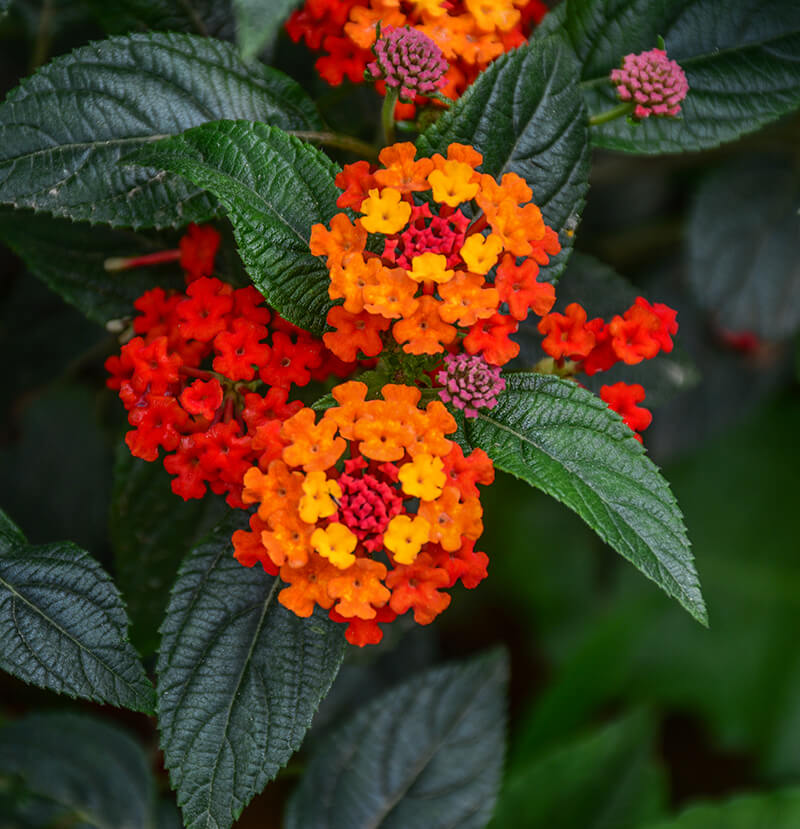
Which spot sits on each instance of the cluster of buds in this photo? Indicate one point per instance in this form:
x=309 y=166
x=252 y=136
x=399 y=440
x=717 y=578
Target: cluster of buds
x=653 y=83
x=441 y=277
x=369 y=513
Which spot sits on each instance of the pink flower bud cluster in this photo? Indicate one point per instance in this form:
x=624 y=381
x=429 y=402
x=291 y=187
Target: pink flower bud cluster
x=470 y=383
x=408 y=60
x=654 y=83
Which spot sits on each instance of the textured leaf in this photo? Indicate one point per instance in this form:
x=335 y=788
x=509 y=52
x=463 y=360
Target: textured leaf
x=776 y=810
x=525 y=114
x=63 y=130
x=273 y=187
x=63 y=625
x=69 y=259
x=744 y=230
x=607 y=780
x=258 y=21
x=91 y=771
x=240 y=678
x=152 y=530
x=567 y=442
x=741 y=61
x=428 y=753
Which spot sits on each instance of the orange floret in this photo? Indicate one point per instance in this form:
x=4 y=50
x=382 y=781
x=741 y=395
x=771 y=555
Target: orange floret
x=429 y=436
x=312 y=446
x=355 y=181
x=359 y=589
x=273 y=490
x=354 y=333
x=516 y=226
x=363 y=20
x=453 y=182
x=402 y=172
x=350 y=397
x=417 y=586
x=349 y=280
x=493 y=14
x=307 y=586
x=248 y=548
x=450 y=518
x=344 y=238
x=383 y=437
x=518 y=286
x=467 y=298
x=384 y=211
x=424 y=332
x=393 y=296
x=464 y=153
x=288 y=541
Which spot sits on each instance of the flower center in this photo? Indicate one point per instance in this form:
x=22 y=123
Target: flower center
x=366 y=507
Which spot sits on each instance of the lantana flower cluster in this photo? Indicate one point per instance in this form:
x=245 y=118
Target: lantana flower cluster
x=578 y=344
x=368 y=512
x=470 y=34
x=418 y=269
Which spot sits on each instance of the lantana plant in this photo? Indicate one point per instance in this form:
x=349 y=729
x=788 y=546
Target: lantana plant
x=333 y=341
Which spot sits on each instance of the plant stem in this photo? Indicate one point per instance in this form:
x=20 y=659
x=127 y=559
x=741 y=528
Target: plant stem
x=341 y=142
x=387 y=115
x=610 y=114
x=41 y=46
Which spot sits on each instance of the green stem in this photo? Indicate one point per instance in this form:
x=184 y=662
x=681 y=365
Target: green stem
x=341 y=142
x=387 y=115
x=610 y=114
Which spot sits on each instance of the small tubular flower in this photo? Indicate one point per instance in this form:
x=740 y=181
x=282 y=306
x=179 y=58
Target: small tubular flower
x=469 y=383
x=655 y=84
x=408 y=61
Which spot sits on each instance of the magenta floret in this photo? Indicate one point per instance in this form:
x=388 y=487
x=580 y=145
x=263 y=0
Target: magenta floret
x=408 y=61
x=470 y=383
x=654 y=83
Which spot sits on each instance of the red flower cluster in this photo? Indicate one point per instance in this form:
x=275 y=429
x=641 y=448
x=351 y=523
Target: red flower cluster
x=378 y=534
x=470 y=33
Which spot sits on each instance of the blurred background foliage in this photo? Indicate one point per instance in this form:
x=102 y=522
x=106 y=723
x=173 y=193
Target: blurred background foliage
x=622 y=709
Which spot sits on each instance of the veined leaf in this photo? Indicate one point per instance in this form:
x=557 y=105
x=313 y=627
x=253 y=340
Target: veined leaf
x=239 y=679
x=64 y=626
x=63 y=130
x=526 y=116
x=87 y=771
x=567 y=442
x=257 y=23
x=741 y=61
x=427 y=753
x=273 y=187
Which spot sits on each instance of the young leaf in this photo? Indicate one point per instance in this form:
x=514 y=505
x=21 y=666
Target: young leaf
x=151 y=532
x=90 y=772
x=743 y=235
x=257 y=23
x=273 y=187
x=567 y=442
x=776 y=810
x=63 y=130
x=740 y=61
x=607 y=780
x=428 y=753
x=63 y=625
x=239 y=679
x=526 y=116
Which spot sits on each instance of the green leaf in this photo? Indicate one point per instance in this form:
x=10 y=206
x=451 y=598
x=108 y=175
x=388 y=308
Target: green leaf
x=152 y=530
x=427 y=753
x=607 y=780
x=568 y=443
x=526 y=116
x=258 y=22
x=63 y=130
x=273 y=187
x=740 y=60
x=69 y=259
x=204 y=17
x=88 y=770
x=743 y=234
x=776 y=810
x=240 y=678
x=64 y=626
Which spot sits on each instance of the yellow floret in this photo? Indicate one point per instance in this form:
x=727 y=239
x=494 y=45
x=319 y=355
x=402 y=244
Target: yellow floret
x=336 y=543
x=480 y=253
x=430 y=267
x=423 y=477
x=316 y=501
x=405 y=536
x=384 y=211
x=452 y=183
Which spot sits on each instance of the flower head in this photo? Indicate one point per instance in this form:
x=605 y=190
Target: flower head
x=655 y=84
x=409 y=61
x=470 y=383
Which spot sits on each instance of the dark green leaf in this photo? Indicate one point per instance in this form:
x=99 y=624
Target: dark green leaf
x=152 y=530
x=605 y=781
x=258 y=21
x=776 y=810
x=91 y=771
x=63 y=130
x=568 y=443
x=240 y=678
x=743 y=241
x=525 y=114
x=273 y=187
x=428 y=753
x=203 y=17
x=63 y=625
x=69 y=258
x=10 y=534
x=740 y=60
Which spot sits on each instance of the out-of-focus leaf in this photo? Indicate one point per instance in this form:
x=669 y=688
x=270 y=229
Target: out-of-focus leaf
x=239 y=679
x=744 y=235
x=63 y=130
x=565 y=441
x=273 y=187
x=90 y=772
x=740 y=60
x=776 y=810
x=607 y=780
x=526 y=116
x=200 y=17
x=64 y=626
x=257 y=23
x=427 y=753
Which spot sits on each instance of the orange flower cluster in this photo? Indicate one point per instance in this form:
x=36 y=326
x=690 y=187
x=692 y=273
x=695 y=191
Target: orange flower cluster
x=470 y=33
x=441 y=274
x=377 y=534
